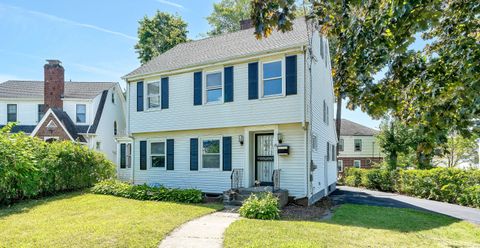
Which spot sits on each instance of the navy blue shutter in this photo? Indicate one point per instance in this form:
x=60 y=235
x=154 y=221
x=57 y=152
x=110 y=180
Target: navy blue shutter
x=291 y=74
x=140 y=96
x=227 y=153
x=193 y=154
x=197 y=88
x=170 y=154
x=123 y=149
x=228 y=81
x=253 y=81
x=143 y=155
x=165 y=93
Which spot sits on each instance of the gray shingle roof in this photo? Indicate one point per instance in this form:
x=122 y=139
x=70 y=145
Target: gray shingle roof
x=222 y=48
x=350 y=128
x=34 y=89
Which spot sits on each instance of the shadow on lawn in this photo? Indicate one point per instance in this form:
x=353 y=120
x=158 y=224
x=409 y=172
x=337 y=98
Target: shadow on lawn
x=26 y=205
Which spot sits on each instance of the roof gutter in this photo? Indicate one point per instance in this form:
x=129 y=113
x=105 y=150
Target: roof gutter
x=230 y=60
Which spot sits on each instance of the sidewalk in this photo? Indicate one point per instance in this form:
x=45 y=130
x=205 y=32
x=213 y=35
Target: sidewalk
x=206 y=231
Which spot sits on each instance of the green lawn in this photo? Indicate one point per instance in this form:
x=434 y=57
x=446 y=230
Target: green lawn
x=88 y=220
x=357 y=226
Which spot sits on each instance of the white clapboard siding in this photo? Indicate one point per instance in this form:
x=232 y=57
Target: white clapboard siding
x=370 y=147
x=183 y=115
x=293 y=166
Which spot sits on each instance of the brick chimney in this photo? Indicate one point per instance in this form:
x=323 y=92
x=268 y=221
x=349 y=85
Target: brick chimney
x=246 y=24
x=54 y=86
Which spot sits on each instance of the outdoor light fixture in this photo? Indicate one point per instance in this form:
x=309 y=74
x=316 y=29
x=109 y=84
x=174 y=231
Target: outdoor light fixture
x=280 y=138
x=240 y=139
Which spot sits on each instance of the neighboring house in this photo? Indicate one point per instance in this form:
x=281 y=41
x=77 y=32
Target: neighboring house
x=91 y=113
x=229 y=111
x=357 y=146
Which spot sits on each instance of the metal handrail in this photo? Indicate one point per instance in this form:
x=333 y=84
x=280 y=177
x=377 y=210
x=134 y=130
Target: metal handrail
x=236 y=179
x=276 y=179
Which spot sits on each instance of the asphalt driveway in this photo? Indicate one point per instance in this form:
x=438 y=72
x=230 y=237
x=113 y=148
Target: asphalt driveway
x=345 y=194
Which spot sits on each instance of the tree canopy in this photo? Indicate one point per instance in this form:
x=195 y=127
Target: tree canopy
x=158 y=34
x=434 y=90
x=226 y=16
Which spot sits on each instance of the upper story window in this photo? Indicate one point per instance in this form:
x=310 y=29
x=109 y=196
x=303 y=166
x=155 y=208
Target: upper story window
x=157 y=154
x=214 y=87
x=11 y=112
x=153 y=95
x=211 y=153
x=358 y=145
x=115 y=128
x=113 y=96
x=325 y=112
x=340 y=145
x=272 y=78
x=81 y=113
x=41 y=111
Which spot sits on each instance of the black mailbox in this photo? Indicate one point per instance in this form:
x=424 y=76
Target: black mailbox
x=283 y=150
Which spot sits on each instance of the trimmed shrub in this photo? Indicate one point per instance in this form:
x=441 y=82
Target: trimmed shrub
x=442 y=184
x=262 y=206
x=145 y=192
x=30 y=167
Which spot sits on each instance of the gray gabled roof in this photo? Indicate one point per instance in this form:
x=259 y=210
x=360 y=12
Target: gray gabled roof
x=34 y=89
x=350 y=128
x=223 y=48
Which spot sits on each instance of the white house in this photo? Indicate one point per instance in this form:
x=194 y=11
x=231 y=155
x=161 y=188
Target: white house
x=229 y=111
x=92 y=113
x=357 y=146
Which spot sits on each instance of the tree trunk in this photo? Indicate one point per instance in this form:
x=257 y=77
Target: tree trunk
x=338 y=120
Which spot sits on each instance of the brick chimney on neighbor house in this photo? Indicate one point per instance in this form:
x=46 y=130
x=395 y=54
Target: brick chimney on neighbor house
x=246 y=24
x=54 y=86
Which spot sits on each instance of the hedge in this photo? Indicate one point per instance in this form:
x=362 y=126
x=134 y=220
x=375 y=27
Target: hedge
x=31 y=168
x=442 y=184
x=145 y=192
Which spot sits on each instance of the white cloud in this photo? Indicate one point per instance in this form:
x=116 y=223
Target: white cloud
x=171 y=4
x=70 y=22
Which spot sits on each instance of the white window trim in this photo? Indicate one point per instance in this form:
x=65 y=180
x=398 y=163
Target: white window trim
x=359 y=162
x=220 y=138
x=149 y=153
x=205 y=90
x=261 y=84
x=146 y=95
x=314 y=142
x=76 y=113
x=361 y=145
x=340 y=162
x=127 y=165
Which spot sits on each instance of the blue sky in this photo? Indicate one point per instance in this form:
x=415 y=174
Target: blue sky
x=93 y=39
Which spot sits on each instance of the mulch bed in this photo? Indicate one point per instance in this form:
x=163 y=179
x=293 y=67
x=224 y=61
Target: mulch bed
x=316 y=212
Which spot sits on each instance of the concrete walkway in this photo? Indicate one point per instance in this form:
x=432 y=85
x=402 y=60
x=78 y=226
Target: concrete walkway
x=345 y=194
x=206 y=231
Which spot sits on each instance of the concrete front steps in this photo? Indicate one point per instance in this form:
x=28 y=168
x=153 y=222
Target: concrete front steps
x=236 y=197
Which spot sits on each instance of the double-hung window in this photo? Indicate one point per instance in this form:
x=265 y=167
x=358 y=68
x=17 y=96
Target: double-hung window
x=340 y=165
x=153 y=95
x=358 y=145
x=11 y=112
x=157 y=154
x=214 y=87
x=41 y=111
x=357 y=163
x=211 y=153
x=340 y=145
x=81 y=113
x=272 y=78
